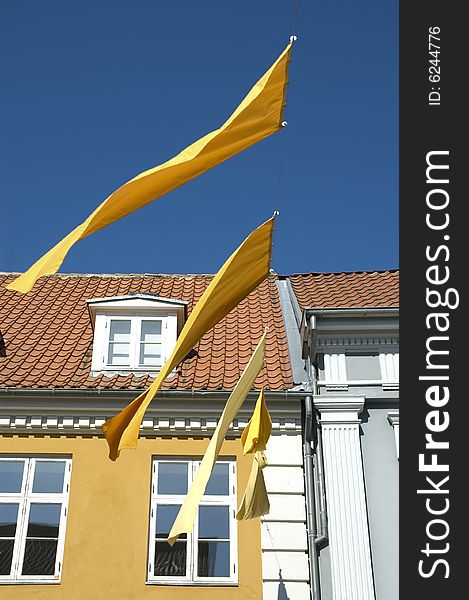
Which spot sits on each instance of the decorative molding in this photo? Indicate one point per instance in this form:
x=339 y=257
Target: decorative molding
x=339 y=409
x=330 y=387
x=352 y=574
x=90 y=425
x=357 y=341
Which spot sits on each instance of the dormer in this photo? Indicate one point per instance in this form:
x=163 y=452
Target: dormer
x=134 y=333
x=352 y=347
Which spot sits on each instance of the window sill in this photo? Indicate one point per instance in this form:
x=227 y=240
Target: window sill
x=194 y=583
x=30 y=582
x=128 y=371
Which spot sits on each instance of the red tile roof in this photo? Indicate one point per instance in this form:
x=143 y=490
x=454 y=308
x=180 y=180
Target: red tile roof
x=48 y=335
x=371 y=289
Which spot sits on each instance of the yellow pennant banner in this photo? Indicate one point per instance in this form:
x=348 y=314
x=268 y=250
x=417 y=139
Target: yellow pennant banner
x=241 y=273
x=258 y=116
x=185 y=519
x=254 y=438
x=257 y=431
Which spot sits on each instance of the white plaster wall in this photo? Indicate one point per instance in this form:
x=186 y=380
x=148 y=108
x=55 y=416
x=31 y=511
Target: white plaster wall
x=285 y=568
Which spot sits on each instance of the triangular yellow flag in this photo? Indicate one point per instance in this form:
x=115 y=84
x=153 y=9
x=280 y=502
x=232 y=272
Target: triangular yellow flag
x=241 y=273
x=185 y=518
x=257 y=431
x=258 y=116
x=254 y=438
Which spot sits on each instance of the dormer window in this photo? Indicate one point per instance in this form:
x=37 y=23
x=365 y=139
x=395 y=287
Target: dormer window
x=136 y=342
x=134 y=333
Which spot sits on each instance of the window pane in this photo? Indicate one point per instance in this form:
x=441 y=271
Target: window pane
x=6 y=556
x=170 y=561
x=39 y=557
x=8 y=517
x=44 y=520
x=172 y=478
x=119 y=354
x=214 y=522
x=150 y=332
x=119 y=342
x=362 y=365
x=214 y=559
x=165 y=517
x=218 y=484
x=49 y=477
x=150 y=343
x=119 y=331
x=150 y=354
x=11 y=475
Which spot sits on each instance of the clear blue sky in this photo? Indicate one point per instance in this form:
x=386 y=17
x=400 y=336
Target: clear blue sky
x=94 y=92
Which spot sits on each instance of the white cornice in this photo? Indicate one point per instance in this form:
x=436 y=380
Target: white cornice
x=151 y=426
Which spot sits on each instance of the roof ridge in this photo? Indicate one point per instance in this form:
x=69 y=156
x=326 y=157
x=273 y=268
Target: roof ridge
x=185 y=275
x=114 y=275
x=341 y=272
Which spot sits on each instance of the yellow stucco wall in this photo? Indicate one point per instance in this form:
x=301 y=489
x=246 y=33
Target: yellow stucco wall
x=106 y=540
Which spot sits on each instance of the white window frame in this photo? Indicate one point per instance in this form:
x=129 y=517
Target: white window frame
x=25 y=498
x=100 y=361
x=135 y=341
x=229 y=500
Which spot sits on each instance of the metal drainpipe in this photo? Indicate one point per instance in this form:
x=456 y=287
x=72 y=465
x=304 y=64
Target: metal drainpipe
x=322 y=538
x=315 y=540
x=311 y=502
x=324 y=532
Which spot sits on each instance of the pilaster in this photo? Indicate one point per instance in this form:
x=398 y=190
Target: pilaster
x=352 y=575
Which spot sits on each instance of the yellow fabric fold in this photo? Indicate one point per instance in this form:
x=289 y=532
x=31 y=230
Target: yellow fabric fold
x=241 y=273
x=255 y=501
x=258 y=116
x=185 y=519
x=257 y=431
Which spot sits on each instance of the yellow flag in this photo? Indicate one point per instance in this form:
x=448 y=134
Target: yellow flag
x=185 y=518
x=241 y=273
x=257 y=432
x=254 y=438
x=255 y=501
x=258 y=116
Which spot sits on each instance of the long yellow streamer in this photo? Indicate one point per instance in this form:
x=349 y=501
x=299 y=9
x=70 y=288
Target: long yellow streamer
x=185 y=518
x=258 y=116
x=241 y=273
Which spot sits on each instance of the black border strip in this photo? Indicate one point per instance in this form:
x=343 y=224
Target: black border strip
x=433 y=264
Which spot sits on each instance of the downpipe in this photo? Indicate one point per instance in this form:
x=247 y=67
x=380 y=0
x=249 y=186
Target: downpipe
x=311 y=522
x=312 y=434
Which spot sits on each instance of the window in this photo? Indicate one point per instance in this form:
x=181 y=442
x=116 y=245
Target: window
x=135 y=333
x=208 y=553
x=135 y=343
x=362 y=366
x=33 y=511
x=358 y=367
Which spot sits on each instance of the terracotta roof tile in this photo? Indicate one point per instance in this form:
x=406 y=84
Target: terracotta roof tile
x=371 y=289
x=48 y=335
